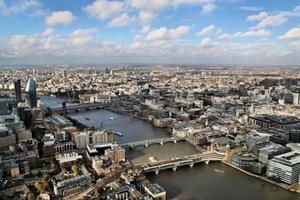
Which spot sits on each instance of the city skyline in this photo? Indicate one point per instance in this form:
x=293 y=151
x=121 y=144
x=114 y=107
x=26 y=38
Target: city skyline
x=164 y=31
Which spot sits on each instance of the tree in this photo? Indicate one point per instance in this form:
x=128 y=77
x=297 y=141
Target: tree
x=41 y=186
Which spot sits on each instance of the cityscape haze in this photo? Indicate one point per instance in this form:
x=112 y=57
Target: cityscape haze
x=150 y=99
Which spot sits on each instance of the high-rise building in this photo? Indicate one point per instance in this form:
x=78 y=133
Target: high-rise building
x=31 y=92
x=18 y=92
x=107 y=71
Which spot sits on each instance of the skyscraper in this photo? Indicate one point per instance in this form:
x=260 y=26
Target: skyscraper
x=18 y=92
x=31 y=92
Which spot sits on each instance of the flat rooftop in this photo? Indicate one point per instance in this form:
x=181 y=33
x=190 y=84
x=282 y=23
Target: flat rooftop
x=154 y=188
x=282 y=120
x=290 y=158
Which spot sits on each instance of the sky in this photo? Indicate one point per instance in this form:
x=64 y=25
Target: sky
x=263 y=32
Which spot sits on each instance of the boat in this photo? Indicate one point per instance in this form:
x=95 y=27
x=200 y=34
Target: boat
x=219 y=171
x=153 y=159
x=119 y=134
x=87 y=118
x=111 y=118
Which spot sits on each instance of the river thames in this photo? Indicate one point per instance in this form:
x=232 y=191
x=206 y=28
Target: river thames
x=207 y=182
x=204 y=182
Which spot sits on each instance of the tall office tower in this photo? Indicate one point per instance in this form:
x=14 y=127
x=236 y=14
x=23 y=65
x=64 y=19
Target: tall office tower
x=31 y=92
x=18 y=92
x=106 y=70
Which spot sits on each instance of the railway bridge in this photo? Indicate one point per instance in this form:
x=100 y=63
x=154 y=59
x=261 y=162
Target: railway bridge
x=147 y=143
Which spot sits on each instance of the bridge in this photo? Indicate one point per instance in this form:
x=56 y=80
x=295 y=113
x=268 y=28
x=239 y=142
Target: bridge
x=147 y=143
x=174 y=163
x=81 y=107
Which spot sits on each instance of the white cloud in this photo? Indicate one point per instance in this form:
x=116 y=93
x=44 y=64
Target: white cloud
x=207 y=8
x=122 y=20
x=258 y=17
x=146 y=29
x=207 y=30
x=258 y=33
x=48 y=31
x=207 y=43
x=82 y=36
x=136 y=45
x=250 y=33
x=224 y=36
x=104 y=9
x=30 y=7
x=81 y=46
x=158 y=34
x=293 y=33
x=145 y=17
x=60 y=17
x=147 y=9
x=273 y=20
x=297 y=8
x=165 y=34
x=251 y=8
x=294 y=43
x=150 y=5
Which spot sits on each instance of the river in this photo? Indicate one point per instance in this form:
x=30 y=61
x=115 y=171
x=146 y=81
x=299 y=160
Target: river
x=51 y=101
x=203 y=182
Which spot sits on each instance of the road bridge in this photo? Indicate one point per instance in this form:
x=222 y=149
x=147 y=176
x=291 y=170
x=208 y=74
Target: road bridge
x=147 y=143
x=81 y=107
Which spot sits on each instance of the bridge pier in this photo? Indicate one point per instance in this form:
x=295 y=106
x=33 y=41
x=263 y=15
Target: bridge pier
x=175 y=168
x=175 y=141
x=146 y=144
x=207 y=162
x=156 y=171
x=192 y=165
x=161 y=142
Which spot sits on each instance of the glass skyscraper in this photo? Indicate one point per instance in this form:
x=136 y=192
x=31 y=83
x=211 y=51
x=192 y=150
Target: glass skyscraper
x=31 y=92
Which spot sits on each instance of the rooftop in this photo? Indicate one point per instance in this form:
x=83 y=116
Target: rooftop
x=154 y=188
x=290 y=158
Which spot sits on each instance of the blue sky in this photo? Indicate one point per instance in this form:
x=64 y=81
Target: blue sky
x=150 y=31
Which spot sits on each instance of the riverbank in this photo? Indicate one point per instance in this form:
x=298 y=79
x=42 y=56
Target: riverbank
x=282 y=185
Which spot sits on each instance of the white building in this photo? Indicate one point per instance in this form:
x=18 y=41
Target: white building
x=285 y=167
x=82 y=139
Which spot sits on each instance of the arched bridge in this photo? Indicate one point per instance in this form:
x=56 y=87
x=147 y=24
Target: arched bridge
x=147 y=143
x=174 y=163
